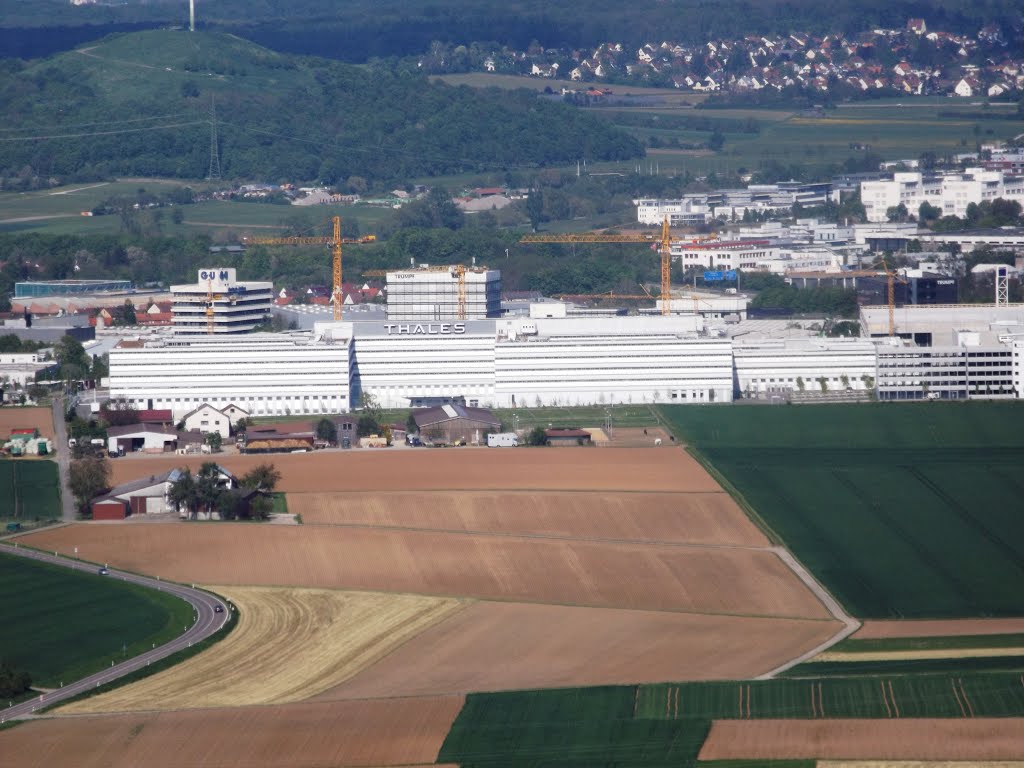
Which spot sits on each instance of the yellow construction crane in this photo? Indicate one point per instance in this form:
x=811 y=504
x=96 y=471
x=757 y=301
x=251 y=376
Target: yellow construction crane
x=458 y=271
x=891 y=280
x=334 y=241
x=664 y=241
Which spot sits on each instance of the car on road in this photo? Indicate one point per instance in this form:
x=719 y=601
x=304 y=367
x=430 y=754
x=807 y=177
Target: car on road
x=103 y=571
x=218 y=609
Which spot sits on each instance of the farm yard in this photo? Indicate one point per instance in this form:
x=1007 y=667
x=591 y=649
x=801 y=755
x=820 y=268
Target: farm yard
x=901 y=511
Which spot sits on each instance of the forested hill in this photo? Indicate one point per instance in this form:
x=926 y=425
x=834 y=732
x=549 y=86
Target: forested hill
x=139 y=104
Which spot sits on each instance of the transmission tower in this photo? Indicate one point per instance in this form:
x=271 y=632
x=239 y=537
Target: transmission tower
x=214 y=170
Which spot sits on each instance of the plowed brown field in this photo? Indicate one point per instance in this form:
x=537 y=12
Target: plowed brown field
x=501 y=646
x=289 y=644
x=938 y=628
x=970 y=739
x=24 y=418
x=697 y=518
x=482 y=469
x=343 y=733
x=749 y=582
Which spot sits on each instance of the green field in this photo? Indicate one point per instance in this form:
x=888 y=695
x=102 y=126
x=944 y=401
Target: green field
x=29 y=490
x=665 y=724
x=900 y=510
x=62 y=625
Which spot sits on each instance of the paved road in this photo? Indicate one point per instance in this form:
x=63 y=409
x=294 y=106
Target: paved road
x=207 y=622
x=60 y=445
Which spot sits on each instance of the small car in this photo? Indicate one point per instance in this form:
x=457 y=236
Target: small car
x=103 y=571
x=218 y=609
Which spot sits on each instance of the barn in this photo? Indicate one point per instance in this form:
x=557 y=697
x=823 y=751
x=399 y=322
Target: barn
x=147 y=495
x=564 y=436
x=452 y=423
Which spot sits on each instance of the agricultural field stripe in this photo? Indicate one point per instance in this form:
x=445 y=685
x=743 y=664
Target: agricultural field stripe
x=963 y=711
x=895 y=706
x=885 y=698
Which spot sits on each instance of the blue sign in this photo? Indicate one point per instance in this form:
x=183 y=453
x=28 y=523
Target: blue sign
x=713 y=277
x=730 y=275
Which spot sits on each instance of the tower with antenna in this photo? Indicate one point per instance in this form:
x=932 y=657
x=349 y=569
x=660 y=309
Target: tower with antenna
x=214 y=170
x=191 y=15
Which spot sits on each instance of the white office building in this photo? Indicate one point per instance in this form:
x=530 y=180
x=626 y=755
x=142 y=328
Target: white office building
x=780 y=366
x=725 y=254
x=427 y=294
x=951 y=193
x=687 y=212
x=267 y=374
x=218 y=304
x=969 y=370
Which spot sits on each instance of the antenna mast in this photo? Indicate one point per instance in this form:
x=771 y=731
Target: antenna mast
x=191 y=15
x=214 y=170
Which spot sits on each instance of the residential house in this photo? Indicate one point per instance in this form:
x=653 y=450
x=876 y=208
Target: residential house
x=206 y=419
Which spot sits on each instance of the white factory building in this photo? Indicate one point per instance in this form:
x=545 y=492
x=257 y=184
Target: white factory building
x=725 y=254
x=951 y=193
x=263 y=373
x=217 y=303
x=432 y=293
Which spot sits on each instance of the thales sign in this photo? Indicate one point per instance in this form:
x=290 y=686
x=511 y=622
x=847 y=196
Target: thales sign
x=424 y=329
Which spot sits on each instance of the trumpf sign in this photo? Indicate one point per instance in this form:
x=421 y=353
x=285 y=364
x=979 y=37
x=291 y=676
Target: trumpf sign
x=425 y=329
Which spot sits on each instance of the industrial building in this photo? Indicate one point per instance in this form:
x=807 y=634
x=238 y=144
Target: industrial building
x=784 y=366
x=950 y=193
x=218 y=304
x=441 y=293
x=42 y=288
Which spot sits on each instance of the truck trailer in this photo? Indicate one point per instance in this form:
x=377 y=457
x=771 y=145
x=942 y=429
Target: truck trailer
x=502 y=440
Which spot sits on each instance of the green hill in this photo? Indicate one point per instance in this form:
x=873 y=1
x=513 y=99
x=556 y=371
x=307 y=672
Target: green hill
x=139 y=104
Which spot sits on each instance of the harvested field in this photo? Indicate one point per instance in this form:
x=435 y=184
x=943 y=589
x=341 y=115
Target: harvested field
x=505 y=646
x=939 y=739
x=289 y=644
x=874 y=630
x=697 y=518
x=342 y=733
x=566 y=469
x=24 y=418
x=749 y=582
x=935 y=653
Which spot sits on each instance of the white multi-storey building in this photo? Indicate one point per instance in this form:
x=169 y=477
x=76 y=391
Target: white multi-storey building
x=264 y=373
x=951 y=193
x=432 y=293
x=778 y=366
x=688 y=212
x=725 y=254
x=218 y=304
x=947 y=372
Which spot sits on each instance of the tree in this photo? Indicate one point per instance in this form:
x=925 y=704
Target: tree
x=411 y=427
x=208 y=489
x=182 y=493
x=126 y=314
x=69 y=351
x=823 y=382
x=13 y=682
x=327 y=431
x=214 y=440
x=800 y=383
x=89 y=477
x=535 y=208
x=536 y=436
x=263 y=477
x=367 y=425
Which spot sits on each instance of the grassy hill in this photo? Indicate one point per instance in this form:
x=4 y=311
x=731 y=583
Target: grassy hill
x=139 y=104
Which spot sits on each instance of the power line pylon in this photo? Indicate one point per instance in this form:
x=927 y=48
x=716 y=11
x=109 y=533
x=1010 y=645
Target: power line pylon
x=214 y=170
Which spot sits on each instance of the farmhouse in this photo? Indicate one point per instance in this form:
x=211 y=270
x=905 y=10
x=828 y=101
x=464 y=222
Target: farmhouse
x=451 y=423
x=207 y=419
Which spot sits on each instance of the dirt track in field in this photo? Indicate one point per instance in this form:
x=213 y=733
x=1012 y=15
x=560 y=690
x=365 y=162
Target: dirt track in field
x=696 y=518
x=872 y=630
x=12 y=417
x=344 y=733
x=749 y=582
x=422 y=469
x=918 y=764
x=501 y=646
x=289 y=645
x=946 y=739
